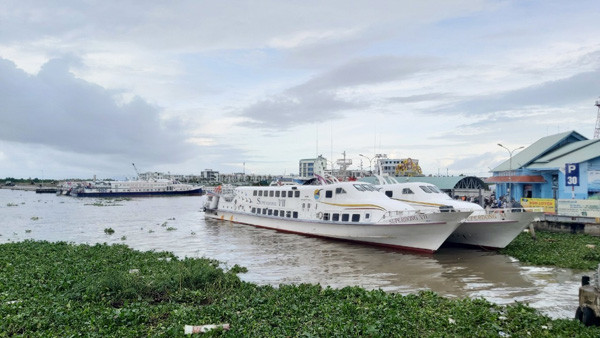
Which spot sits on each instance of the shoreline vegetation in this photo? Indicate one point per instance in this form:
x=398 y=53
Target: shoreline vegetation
x=563 y=250
x=64 y=289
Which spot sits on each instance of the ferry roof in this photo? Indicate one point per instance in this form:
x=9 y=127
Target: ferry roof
x=442 y=182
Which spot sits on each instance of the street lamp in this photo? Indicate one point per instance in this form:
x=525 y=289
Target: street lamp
x=370 y=159
x=510 y=152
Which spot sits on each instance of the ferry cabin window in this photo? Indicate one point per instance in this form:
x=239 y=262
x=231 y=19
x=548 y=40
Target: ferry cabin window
x=275 y=212
x=407 y=191
x=253 y=210
x=335 y=217
x=367 y=216
x=355 y=217
x=290 y=194
x=328 y=193
x=288 y=214
x=271 y=193
x=277 y=193
x=266 y=193
x=340 y=191
x=264 y=211
x=359 y=187
x=270 y=212
x=281 y=213
x=326 y=216
x=435 y=189
x=295 y=215
x=260 y=193
x=297 y=193
x=389 y=193
x=345 y=217
x=425 y=189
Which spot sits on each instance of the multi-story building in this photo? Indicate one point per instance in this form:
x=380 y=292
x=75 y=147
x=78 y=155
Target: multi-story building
x=209 y=175
x=308 y=167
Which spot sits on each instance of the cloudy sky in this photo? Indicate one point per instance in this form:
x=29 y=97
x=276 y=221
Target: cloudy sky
x=88 y=87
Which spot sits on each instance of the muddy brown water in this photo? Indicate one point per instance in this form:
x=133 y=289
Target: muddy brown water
x=177 y=224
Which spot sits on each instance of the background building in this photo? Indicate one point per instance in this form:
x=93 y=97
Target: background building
x=307 y=166
x=538 y=171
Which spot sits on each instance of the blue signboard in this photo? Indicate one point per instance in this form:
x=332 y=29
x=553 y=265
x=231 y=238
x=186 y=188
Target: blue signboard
x=572 y=174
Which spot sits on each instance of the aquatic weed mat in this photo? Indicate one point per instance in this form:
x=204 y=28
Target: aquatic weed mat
x=564 y=250
x=61 y=289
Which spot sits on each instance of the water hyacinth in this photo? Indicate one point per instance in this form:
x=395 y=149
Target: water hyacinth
x=61 y=289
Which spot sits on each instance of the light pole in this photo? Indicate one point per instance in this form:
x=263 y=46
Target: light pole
x=510 y=152
x=370 y=159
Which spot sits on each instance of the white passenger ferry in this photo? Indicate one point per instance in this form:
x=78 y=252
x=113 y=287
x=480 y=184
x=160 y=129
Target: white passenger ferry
x=135 y=188
x=354 y=211
x=494 y=229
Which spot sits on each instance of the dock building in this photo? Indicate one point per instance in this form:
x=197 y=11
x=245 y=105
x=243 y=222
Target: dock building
x=539 y=170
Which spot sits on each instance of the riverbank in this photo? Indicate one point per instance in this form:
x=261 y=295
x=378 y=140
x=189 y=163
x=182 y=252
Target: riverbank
x=565 y=250
x=59 y=289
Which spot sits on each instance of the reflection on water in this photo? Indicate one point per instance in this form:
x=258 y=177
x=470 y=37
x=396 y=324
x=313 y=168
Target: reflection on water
x=177 y=224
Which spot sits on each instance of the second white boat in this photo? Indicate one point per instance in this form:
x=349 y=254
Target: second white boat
x=494 y=229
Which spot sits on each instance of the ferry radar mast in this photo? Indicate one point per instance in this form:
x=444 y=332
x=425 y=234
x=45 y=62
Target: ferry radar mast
x=597 y=130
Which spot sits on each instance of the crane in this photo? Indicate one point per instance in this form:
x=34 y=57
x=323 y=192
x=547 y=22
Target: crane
x=136 y=171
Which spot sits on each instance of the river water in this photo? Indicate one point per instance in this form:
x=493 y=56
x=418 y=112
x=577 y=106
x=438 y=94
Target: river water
x=177 y=224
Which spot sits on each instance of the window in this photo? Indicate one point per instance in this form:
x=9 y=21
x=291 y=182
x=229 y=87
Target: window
x=297 y=193
x=367 y=216
x=355 y=217
x=336 y=217
x=275 y=212
x=264 y=211
x=295 y=214
x=271 y=193
x=270 y=212
x=435 y=189
x=290 y=194
x=281 y=213
x=277 y=193
x=288 y=214
x=326 y=216
x=260 y=193
x=328 y=193
x=359 y=187
x=253 y=210
x=407 y=191
x=340 y=191
x=425 y=189
x=254 y=193
x=389 y=193
x=266 y=193
x=345 y=217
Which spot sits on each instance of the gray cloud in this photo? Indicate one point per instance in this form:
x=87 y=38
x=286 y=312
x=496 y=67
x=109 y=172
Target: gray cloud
x=56 y=109
x=317 y=100
x=571 y=90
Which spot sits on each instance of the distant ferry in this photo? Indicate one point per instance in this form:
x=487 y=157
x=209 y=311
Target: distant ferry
x=494 y=229
x=353 y=211
x=135 y=188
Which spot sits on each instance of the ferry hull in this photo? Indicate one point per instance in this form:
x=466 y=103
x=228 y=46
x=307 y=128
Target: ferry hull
x=417 y=236
x=193 y=192
x=494 y=230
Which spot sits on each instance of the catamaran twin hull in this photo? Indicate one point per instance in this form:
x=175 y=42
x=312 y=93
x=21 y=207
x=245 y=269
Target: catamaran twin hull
x=417 y=232
x=493 y=230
